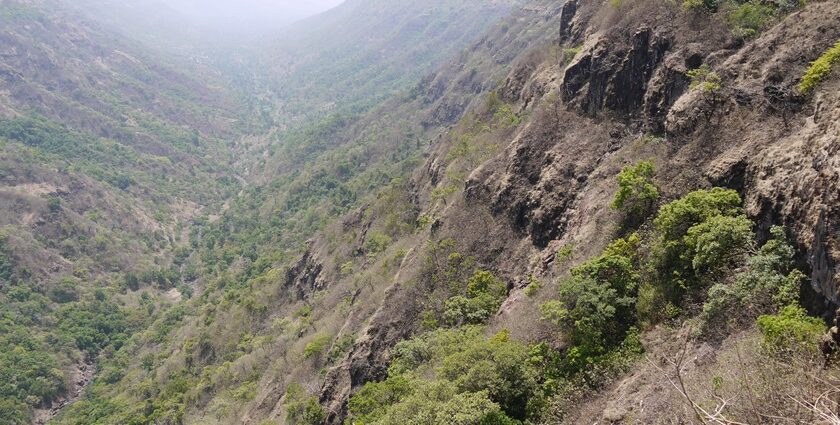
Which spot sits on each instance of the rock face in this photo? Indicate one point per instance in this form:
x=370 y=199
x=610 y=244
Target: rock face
x=760 y=137
x=795 y=181
x=607 y=77
x=626 y=97
x=369 y=359
x=567 y=17
x=304 y=278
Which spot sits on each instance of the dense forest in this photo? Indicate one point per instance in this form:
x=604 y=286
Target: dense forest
x=441 y=212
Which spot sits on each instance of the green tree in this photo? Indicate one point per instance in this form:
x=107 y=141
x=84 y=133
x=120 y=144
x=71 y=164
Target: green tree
x=498 y=366
x=302 y=409
x=719 y=242
x=485 y=293
x=596 y=305
x=701 y=5
x=439 y=403
x=768 y=283
x=675 y=250
x=372 y=401
x=54 y=204
x=15 y=412
x=492 y=377
x=637 y=192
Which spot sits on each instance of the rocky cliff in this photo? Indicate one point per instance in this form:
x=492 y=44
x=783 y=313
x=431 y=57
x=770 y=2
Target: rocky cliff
x=624 y=96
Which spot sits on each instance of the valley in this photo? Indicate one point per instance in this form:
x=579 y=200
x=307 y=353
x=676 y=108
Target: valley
x=440 y=212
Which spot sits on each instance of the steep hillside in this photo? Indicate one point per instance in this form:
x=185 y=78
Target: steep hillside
x=632 y=81
x=601 y=212
x=106 y=157
x=154 y=23
x=363 y=52
x=225 y=342
x=506 y=221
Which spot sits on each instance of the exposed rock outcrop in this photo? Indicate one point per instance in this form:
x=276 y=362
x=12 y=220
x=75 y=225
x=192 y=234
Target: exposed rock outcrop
x=304 y=278
x=552 y=181
x=605 y=76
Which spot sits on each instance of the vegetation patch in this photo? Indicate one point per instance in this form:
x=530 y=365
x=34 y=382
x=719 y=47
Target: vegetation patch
x=790 y=331
x=746 y=17
x=637 y=192
x=820 y=69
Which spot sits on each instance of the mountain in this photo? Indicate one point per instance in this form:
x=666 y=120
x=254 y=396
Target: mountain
x=247 y=15
x=266 y=228
x=363 y=52
x=429 y=212
x=115 y=160
x=100 y=145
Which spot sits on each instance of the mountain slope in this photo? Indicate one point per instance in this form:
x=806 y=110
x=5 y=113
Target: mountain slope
x=363 y=52
x=241 y=257
x=628 y=224
x=540 y=205
x=100 y=148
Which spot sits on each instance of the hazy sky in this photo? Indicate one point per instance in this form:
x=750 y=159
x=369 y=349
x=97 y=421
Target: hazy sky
x=235 y=13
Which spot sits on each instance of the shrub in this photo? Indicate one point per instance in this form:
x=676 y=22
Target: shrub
x=534 y=285
x=466 y=378
x=496 y=365
x=790 y=331
x=15 y=412
x=701 y=5
x=341 y=347
x=439 y=403
x=412 y=354
x=93 y=325
x=485 y=293
x=675 y=219
x=710 y=86
x=719 y=242
x=749 y=18
x=377 y=242
x=122 y=181
x=768 y=283
x=64 y=291
x=637 y=193
x=564 y=254
x=590 y=313
x=29 y=375
x=54 y=204
x=6 y=270
x=317 y=346
x=373 y=399
x=705 y=79
x=569 y=54
x=302 y=409
x=695 y=230
x=820 y=69
x=596 y=305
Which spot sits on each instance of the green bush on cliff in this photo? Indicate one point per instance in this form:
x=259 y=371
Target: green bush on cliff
x=451 y=375
x=791 y=330
x=820 y=69
x=749 y=18
x=485 y=293
x=767 y=283
x=302 y=409
x=595 y=307
x=637 y=192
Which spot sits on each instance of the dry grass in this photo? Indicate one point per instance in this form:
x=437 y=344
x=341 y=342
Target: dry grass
x=746 y=385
